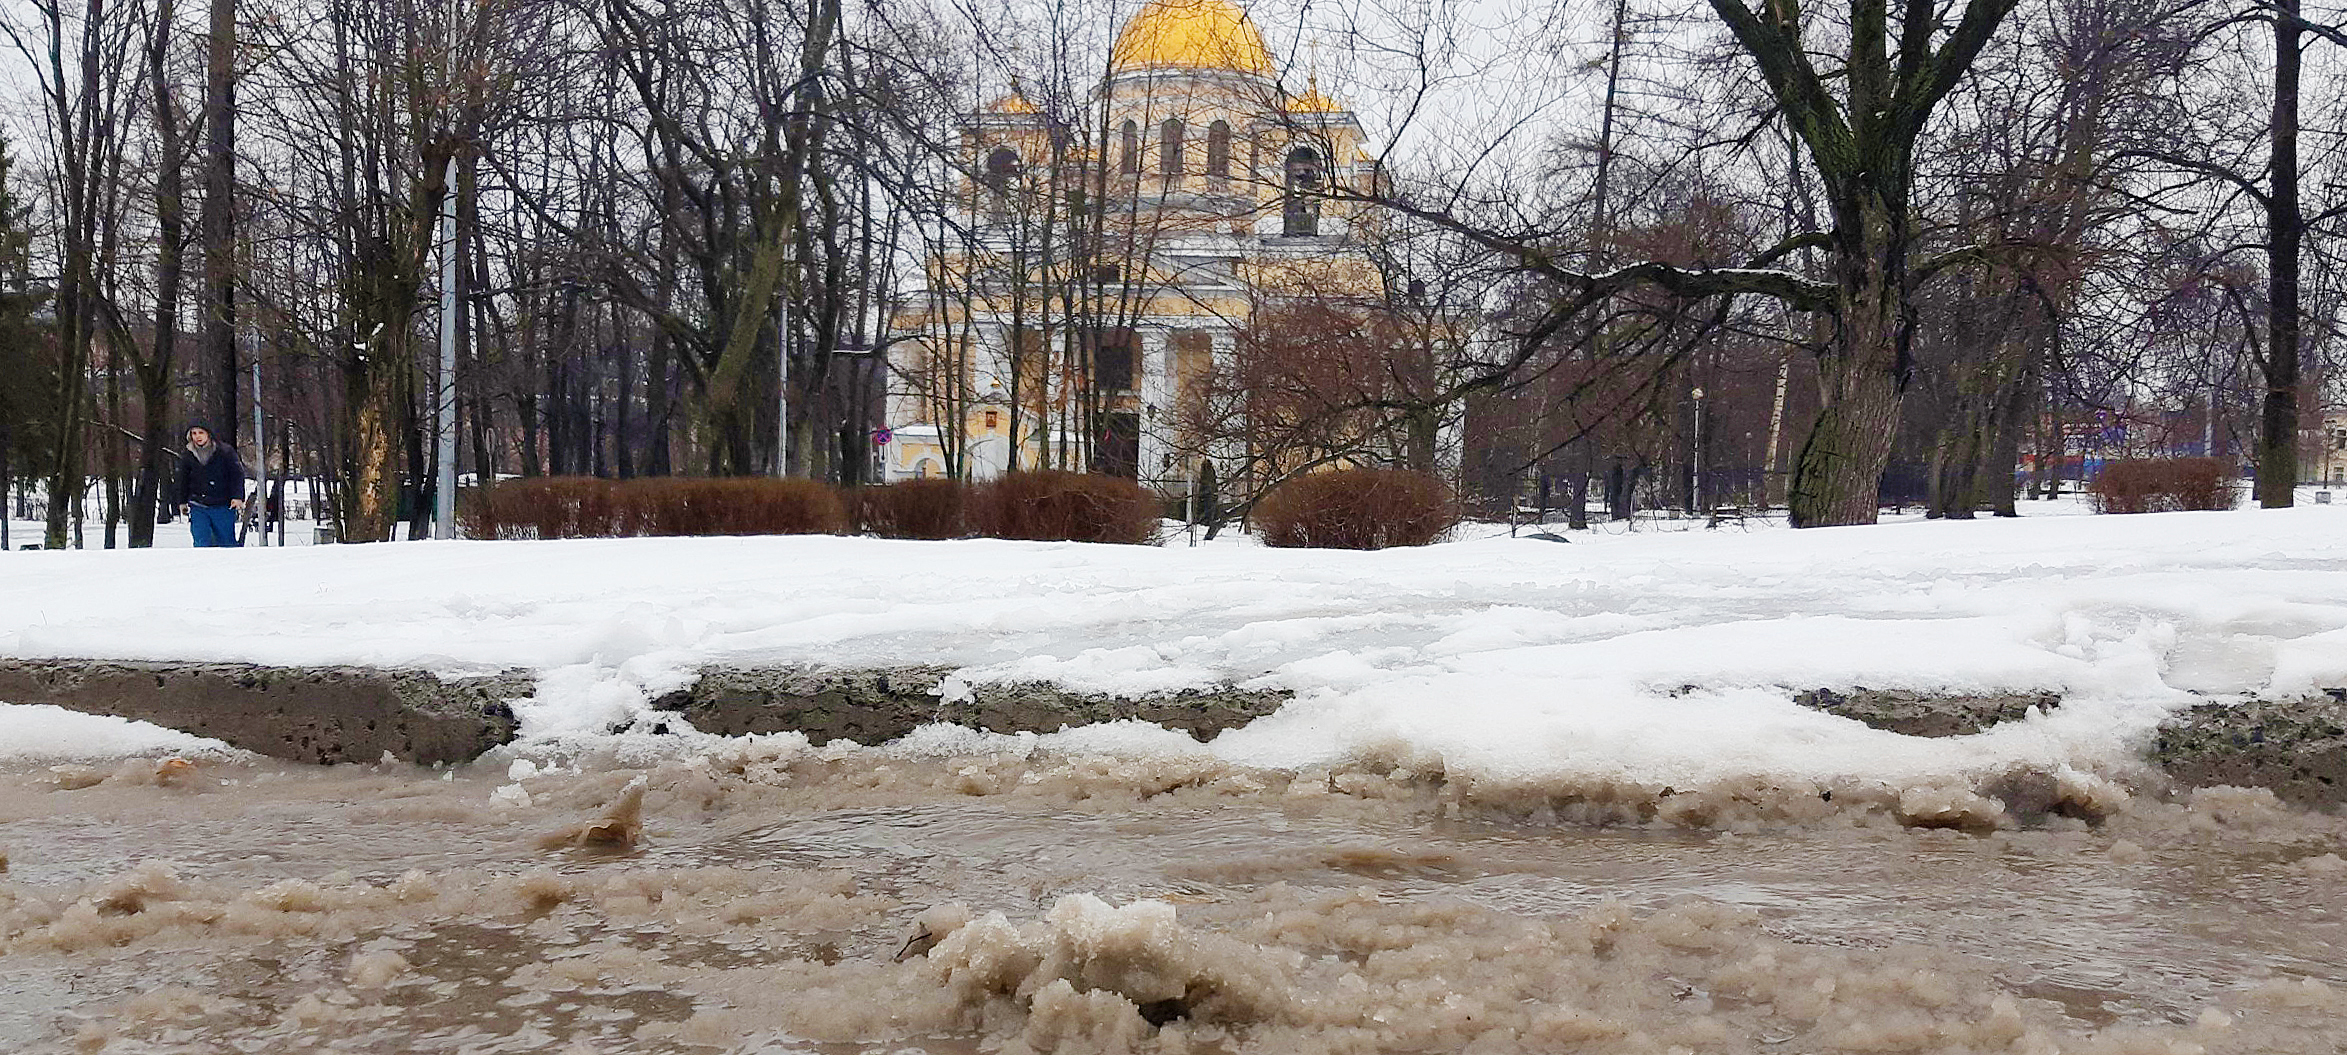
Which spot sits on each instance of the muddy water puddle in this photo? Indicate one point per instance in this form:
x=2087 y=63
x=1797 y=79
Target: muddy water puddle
x=776 y=899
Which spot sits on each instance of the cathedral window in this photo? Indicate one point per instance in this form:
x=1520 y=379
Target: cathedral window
x=1192 y=370
x=1218 y=150
x=1003 y=163
x=1002 y=166
x=1112 y=360
x=1300 y=209
x=1128 y=159
x=1169 y=147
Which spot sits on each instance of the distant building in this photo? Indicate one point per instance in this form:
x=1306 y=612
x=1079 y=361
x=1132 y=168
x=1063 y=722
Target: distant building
x=2329 y=464
x=1114 y=254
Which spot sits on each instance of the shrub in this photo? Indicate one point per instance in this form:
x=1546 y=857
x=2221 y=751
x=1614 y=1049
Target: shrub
x=925 y=509
x=750 y=505
x=1356 y=509
x=1051 y=505
x=2153 y=485
x=585 y=507
x=538 y=507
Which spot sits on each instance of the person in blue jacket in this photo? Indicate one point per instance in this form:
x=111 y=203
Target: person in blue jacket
x=211 y=488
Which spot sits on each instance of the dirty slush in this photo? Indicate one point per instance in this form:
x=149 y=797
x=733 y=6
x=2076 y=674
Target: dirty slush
x=763 y=895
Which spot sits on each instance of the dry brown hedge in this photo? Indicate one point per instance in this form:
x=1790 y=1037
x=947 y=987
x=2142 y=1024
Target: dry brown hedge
x=549 y=507
x=921 y=509
x=1052 y=505
x=538 y=507
x=1356 y=509
x=2157 y=485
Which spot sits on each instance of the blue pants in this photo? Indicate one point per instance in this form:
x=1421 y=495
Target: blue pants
x=213 y=525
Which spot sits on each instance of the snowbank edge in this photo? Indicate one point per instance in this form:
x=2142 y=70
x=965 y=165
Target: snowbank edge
x=329 y=715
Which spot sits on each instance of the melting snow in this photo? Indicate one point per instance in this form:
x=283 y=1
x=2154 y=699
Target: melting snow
x=1646 y=656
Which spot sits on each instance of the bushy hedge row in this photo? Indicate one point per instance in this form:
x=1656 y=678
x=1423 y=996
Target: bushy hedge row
x=1356 y=509
x=924 y=509
x=1047 y=505
x=586 y=507
x=1052 y=505
x=2155 y=485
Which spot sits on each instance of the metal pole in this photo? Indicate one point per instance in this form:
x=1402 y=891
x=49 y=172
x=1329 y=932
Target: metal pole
x=1190 y=505
x=285 y=454
x=1695 y=486
x=260 y=449
x=444 y=487
x=782 y=397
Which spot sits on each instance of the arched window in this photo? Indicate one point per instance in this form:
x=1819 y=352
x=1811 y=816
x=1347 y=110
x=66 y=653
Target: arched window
x=1129 y=158
x=1169 y=147
x=1001 y=167
x=1218 y=150
x=1300 y=211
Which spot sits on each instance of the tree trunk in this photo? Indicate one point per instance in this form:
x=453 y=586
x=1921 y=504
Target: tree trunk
x=76 y=311
x=1954 y=463
x=114 y=465
x=1837 y=476
x=422 y=476
x=623 y=450
x=526 y=408
x=374 y=411
x=154 y=372
x=219 y=223
x=659 y=384
x=155 y=455
x=1966 y=473
x=379 y=383
x=2277 y=454
x=1996 y=487
x=1423 y=425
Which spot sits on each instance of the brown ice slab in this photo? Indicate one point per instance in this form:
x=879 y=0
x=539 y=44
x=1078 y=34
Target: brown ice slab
x=1925 y=714
x=337 y=714
x=325 y=715
x=304 y=714
x=875 y=706
x=2297 y=748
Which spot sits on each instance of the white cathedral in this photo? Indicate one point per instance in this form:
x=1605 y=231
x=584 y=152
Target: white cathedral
x=1111 y=256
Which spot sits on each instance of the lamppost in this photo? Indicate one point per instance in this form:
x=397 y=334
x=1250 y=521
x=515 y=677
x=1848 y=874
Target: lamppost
x=444 y=449
x=260 y=447
x=1695 y=486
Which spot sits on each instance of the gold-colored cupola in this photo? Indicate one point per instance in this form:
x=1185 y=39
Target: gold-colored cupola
x=1191 y=35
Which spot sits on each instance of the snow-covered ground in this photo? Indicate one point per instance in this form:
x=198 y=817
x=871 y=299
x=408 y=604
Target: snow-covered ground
x=174 y=535
x=1650 y=655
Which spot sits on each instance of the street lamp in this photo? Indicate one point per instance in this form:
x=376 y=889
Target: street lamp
x=444 y=401
x=1695 y=490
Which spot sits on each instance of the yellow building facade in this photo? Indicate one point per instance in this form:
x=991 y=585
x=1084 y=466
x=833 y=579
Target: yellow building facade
x=1109 y=258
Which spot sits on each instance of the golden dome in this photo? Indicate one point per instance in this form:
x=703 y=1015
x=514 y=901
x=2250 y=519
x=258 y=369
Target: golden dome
x=1014 y=103
x=1313 y=101
x=1191 y=35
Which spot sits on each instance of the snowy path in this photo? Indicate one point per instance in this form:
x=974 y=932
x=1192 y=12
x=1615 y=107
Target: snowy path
x=1653 y=656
